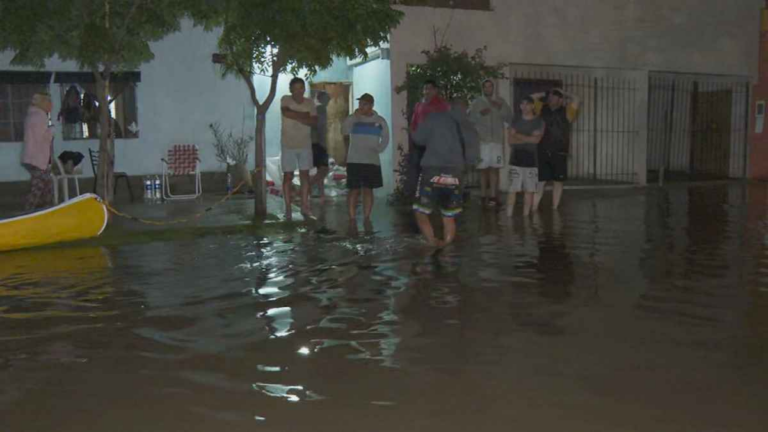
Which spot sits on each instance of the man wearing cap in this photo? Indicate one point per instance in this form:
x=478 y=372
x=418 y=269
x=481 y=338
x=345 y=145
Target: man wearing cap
x=560 y=111
x=368 y=137
x=488 y=113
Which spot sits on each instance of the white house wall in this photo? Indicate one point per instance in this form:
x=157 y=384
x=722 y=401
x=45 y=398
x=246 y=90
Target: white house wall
x=181 y=92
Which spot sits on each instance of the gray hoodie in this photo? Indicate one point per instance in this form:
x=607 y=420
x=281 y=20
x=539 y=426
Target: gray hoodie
x=439 y=133
x=491 y=125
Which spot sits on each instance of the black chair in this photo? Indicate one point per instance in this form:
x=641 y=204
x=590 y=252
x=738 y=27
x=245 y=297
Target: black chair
x=118 y=175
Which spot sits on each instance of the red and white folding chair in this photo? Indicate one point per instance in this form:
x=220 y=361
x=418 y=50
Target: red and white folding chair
x=182 y=160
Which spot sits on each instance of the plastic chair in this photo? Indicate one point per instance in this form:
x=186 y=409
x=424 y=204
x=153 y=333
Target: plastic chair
x=182 y=160
x=59 y=175
x=94 y=154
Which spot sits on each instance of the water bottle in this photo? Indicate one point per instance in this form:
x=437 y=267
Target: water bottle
x=158 y=188
x=147 y=188
x=229 y=183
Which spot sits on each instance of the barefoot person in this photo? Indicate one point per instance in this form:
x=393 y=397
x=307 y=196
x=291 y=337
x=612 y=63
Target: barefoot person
x=560 y=111
x=524 y=136
x=299 y=115
x=36 y=158
x=320 y=145
x=368 y=137
x=488 y=113
x=450 y=142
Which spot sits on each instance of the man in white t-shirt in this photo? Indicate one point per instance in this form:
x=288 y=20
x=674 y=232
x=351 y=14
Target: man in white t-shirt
x=299 y=115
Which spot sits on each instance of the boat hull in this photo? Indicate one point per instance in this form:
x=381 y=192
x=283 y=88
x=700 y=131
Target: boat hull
x=80 y=218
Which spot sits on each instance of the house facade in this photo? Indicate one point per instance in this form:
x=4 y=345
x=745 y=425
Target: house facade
x=665 y=85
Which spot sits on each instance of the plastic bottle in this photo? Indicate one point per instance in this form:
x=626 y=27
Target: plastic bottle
x=158 y=188
x=229 y=183
x=148 y=188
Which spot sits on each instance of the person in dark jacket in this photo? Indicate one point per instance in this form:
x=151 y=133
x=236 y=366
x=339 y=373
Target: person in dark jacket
x=451 y=142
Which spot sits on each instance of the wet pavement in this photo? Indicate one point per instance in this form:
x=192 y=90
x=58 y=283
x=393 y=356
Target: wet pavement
x=627 y=310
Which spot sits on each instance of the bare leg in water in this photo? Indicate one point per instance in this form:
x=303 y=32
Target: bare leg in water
x=538 y=195
x=367 y=203
x=304 y=179
x=449 y=231
x=287 y=192
x=426 y=229
x=352 y=209
x=493 y=180
x=319 y=180
x=557 y=194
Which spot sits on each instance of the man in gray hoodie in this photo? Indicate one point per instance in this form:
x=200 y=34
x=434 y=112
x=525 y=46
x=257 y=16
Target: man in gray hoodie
x=489 y=112
x=451 y=143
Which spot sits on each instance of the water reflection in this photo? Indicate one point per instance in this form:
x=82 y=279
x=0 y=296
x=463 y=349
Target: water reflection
x=54 y=283
x=619 y=290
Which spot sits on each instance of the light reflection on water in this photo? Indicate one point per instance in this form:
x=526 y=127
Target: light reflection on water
x=684 y=267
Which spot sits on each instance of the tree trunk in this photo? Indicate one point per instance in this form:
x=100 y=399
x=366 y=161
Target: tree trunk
x=105 y=172
x=260 y=156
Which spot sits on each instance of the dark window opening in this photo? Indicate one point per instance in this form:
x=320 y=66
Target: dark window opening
x=80 y=114
x=16 y=91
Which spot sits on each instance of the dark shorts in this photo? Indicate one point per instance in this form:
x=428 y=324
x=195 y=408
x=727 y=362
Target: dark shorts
x=319 y=156
x=439 y=191
x=366 y=176
x=553 y=166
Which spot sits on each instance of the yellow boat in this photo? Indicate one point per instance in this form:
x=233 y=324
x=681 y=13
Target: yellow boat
x=79 y=218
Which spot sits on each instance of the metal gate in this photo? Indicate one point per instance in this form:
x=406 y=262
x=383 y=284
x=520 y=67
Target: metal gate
x=697 y=126
x=603 y=146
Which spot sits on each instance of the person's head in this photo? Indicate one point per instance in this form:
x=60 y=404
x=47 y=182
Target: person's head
x=526 y=106
x=429 y=89
x=365 y=104
x=72 y=96
x=555 y=98
x=323 y=98
x=488 y=88
x=297 y=87
x=42 y=101
x=89 y=101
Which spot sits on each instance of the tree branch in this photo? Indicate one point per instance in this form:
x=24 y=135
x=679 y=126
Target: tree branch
x=248 y=78
x=278 y=63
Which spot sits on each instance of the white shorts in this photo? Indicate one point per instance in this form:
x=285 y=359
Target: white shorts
x=491 y=156
x=524 y=179
x=296 y=159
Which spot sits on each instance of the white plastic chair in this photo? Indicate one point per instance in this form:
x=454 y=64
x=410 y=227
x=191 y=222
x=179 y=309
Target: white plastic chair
x=59 y=175
x=182 y=159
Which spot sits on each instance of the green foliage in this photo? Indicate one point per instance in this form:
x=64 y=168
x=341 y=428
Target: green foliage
x=291 y=35
x=83 y=31
x=459 y=74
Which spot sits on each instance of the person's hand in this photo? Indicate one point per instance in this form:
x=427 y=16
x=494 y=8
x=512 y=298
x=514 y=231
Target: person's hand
x=485 y=111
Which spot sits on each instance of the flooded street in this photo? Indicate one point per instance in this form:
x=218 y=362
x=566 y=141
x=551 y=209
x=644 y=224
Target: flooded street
x=628 y=310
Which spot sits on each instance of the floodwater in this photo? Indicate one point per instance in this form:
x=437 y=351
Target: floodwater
x=630 y=310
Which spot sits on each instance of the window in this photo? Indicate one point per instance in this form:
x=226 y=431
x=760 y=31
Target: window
x=79 y=113
x=16 y=91
x=456 y=4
